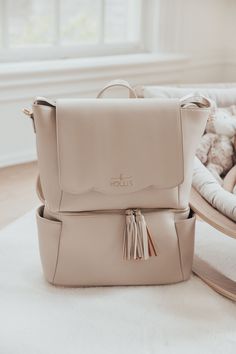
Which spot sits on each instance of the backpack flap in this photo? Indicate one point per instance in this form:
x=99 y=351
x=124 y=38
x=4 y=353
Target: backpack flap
x=113 y=148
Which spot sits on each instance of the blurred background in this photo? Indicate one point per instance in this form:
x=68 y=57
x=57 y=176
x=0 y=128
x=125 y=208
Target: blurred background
x=71 y=48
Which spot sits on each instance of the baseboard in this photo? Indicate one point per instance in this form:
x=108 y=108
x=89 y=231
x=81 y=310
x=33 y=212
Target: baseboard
x=17 y=158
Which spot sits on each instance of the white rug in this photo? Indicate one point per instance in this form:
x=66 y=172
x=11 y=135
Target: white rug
x=36 y=318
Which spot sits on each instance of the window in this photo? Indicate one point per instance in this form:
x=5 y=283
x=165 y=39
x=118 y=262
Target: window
x=33 y=29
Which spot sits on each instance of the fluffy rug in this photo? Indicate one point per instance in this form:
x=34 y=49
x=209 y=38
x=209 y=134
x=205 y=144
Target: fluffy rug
x=36 y=318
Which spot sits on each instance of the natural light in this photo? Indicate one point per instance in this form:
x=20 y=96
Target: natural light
x=67 y=28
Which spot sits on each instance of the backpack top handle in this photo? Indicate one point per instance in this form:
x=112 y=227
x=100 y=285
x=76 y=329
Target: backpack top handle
x=118 y=83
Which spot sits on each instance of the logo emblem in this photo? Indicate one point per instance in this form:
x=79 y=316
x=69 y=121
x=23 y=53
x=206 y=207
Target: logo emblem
x=121 y=181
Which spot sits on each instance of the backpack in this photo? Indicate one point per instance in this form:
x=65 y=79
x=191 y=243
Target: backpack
x=114 y=180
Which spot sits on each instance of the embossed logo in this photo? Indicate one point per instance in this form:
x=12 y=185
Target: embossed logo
x=121 y=181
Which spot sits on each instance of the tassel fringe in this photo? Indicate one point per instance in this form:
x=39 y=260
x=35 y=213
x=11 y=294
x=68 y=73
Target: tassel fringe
x=138 y=243
x=130 y=235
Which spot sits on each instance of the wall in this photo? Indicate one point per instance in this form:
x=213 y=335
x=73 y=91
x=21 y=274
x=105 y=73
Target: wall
x=229 y=43
x=203 y=30
x=69 y=78
x=196 y=34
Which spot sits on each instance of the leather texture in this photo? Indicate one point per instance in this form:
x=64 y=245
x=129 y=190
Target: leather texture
x=179 y=137
x=90 y=248
x=118 y=145
x=98 y=158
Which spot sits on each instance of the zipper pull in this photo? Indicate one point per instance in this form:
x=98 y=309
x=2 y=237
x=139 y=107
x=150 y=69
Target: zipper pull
x=147 y=248
x=130 y=236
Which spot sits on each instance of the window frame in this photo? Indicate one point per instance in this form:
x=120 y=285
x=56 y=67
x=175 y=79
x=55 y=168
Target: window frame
x=60 y=51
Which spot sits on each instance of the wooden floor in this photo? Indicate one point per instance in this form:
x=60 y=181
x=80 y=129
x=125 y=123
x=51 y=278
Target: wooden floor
x=17 y=191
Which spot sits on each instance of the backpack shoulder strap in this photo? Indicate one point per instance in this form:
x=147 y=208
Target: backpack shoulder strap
x=215 y=279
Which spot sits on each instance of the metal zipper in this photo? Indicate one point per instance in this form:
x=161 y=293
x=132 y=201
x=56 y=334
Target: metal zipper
x=122 y=211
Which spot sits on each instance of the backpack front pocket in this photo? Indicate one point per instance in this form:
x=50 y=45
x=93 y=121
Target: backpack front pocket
x=185 y=230
x=49 y=233
x=91 y=248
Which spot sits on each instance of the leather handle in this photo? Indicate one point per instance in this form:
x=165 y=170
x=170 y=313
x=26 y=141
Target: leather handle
x=118 y=83
x=198 y=100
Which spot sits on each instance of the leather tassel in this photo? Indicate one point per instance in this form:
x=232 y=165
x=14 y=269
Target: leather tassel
x=142 y=234
x=130 y=236
x=138 y=243
x=147 y=245
x=152 y=249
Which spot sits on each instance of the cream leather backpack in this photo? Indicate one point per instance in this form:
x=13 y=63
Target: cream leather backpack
x=115 y=179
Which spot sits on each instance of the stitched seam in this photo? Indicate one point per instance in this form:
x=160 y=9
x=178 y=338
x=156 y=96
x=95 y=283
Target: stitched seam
x=46 y=221
x=178 y=195
x=180 y=255
x=195 y=109
x=182 y=146
x=60 y=201
x=58 y=157
x=57 y=256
